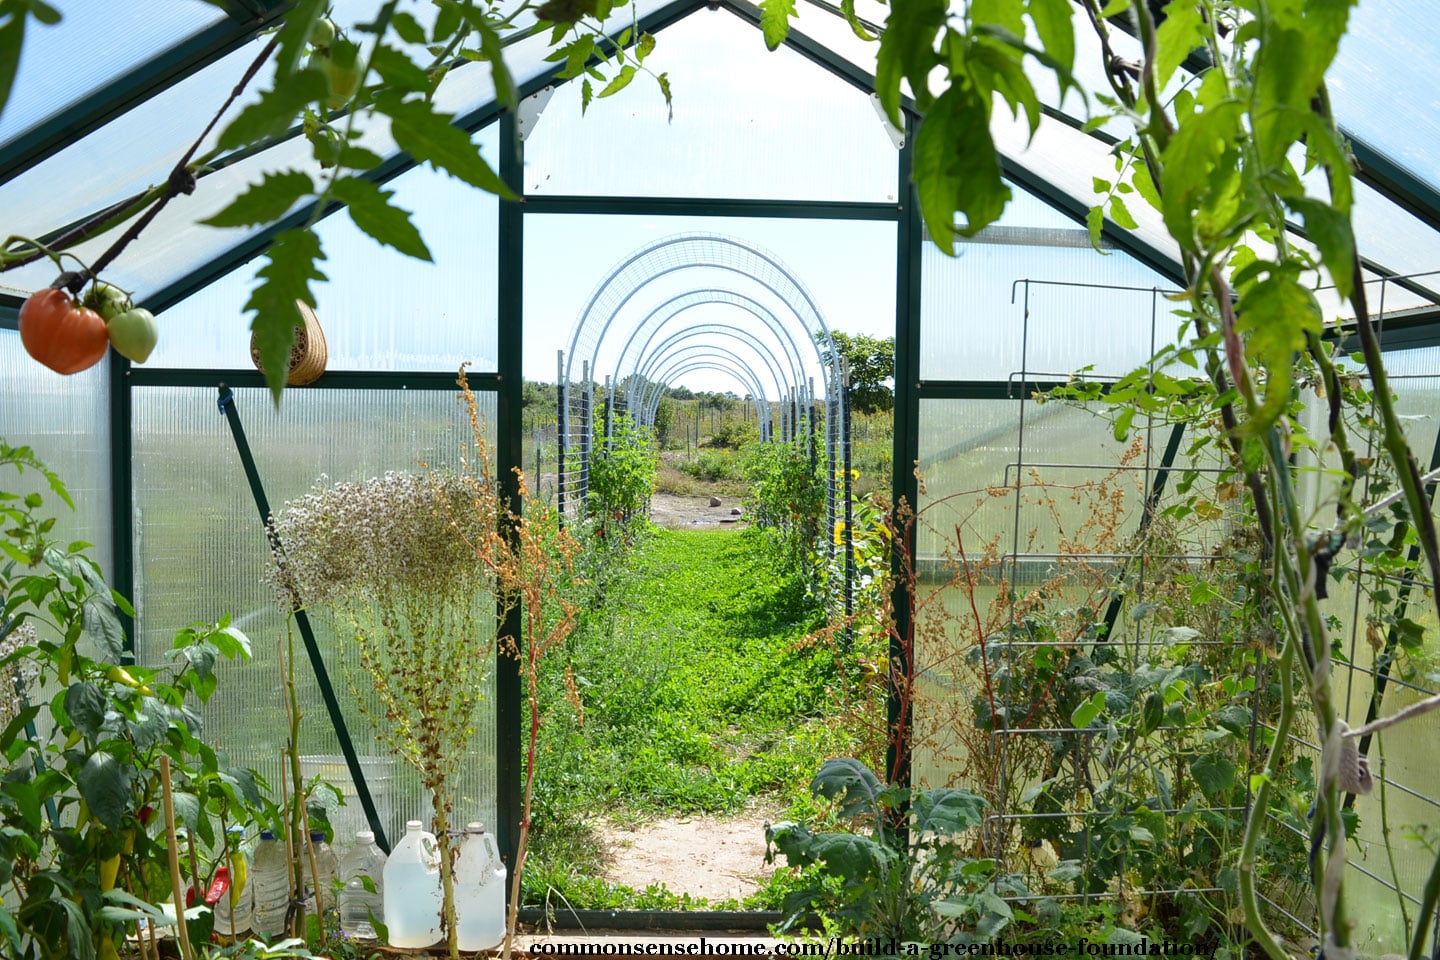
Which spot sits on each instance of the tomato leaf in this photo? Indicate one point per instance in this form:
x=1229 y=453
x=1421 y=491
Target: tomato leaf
x=1056 y=32
x=1274 y=314
x=664 y=81
x=587 y=93
x=956 y=167
x=358 y=158
x=775 y=20
x=1177 y=35
x=491 y=43
x=283 y=280
x=408 y=27
x=264 y=202
x=12 y=37
x=372 y=212
x=568 y=11
x=447 y=21
x=619 y=82
x=1000 y=13
x=847 y=7
x=1121 y=214
x=429 y=137
x=575 y=54
x=1330 y=230
x=1095 y=223
x=907 y=52
x=399 y=70
x=276 y=110
x=1188 y=162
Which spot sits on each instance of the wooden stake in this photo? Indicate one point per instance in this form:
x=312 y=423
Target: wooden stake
x=181 y=931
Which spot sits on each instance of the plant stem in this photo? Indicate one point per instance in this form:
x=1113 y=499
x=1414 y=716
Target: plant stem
x=182 y=932
x=1254 y=824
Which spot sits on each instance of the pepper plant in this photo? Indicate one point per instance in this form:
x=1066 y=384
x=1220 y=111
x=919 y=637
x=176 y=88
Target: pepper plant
x=78 y=821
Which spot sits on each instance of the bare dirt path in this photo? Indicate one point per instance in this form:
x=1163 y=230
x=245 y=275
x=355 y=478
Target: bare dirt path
x=678 y=512
x=711 y=857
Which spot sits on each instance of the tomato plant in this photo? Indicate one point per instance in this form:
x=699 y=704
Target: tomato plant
x=60 y=333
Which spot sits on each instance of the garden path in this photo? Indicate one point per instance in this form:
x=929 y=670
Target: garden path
x=718 y=858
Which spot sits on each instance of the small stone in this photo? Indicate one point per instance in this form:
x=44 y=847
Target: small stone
x=734 y=511
x=714 y=501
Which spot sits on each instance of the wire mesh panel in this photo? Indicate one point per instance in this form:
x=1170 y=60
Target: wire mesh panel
x=1085 y=649
x=201 y=552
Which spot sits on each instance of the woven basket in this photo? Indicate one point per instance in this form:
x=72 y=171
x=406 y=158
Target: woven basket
x=309 y=354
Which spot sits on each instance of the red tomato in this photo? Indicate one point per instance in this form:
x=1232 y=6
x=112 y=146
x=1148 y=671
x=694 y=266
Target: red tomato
x=60 y=333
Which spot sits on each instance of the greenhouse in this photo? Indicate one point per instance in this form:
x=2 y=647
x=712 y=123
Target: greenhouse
x=1111 y=621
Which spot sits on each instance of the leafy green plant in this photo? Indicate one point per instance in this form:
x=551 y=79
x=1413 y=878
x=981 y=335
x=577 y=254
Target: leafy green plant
x=78 y=803
x=622 y=475
x=787 y=502
x=900 y=874
x=712 y=466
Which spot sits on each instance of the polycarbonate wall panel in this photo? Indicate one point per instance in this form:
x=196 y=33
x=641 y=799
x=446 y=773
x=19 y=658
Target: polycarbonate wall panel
x=748 y=123
x=380 y=309
x=200 y=552
x=1042 y=497
x=973 y=307
x=66 y=422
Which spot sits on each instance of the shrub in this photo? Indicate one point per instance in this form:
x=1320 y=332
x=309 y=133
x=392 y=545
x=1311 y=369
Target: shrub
x=712 y=467
x=622 y=473
x=787 y=502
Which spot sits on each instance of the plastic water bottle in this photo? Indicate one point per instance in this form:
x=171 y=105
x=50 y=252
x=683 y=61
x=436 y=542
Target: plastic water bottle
x=479 y=891
x=365 y=860
x=327 y=865
x=235 y=907
x=412 y=889
x=270 y=878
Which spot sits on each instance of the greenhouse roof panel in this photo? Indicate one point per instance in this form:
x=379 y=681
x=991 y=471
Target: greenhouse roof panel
x=1383 y=87
x=96 y=46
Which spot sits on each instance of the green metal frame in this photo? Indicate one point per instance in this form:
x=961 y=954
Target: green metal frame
x=905 y=486
x=507 y=381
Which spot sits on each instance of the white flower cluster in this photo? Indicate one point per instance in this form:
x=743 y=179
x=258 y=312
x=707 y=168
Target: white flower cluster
x=397 y=533
x=16 y=676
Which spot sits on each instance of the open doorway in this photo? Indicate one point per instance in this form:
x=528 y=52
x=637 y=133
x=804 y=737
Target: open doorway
x=701 y=690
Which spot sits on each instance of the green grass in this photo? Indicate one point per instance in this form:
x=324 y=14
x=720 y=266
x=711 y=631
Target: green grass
x=698 y=697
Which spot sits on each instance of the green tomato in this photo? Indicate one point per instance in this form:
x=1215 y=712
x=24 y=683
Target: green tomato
x=342 y=72
x=322 y=32
x=107 y=300
x=133 y=334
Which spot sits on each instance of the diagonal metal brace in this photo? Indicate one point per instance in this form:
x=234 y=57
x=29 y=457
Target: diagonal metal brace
x=226 y=403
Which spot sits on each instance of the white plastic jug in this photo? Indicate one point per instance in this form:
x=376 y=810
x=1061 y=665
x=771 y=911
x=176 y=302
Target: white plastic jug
x=412 y=889
x=479 y=891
